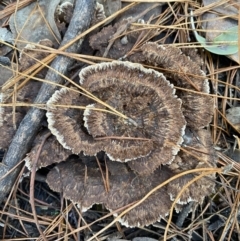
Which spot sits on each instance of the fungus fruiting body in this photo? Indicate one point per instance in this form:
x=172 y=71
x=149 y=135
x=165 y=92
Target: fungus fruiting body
x=199 y=153
x=125 y=187
x=143 y=143
x=197 y=106
x=143 y=95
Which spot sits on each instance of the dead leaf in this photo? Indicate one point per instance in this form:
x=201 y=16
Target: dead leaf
x=214 y=25
x=29 y=25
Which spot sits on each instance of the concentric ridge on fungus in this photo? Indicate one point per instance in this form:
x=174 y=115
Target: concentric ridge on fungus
x=144 y=95
x=197 y=108
x=199 y=153
x=87 y=187
x=125 y=187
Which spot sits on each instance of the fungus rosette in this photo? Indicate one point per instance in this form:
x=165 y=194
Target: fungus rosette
x=51 y=152
x=148 y=138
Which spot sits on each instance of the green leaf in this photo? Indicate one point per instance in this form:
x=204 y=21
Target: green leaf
x=224 y=44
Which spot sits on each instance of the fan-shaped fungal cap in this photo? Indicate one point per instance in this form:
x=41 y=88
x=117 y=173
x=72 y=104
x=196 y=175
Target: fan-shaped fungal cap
x=100 y=40
x=67 y=124
x=100 y=124
x=148 y=99
x=78 y=183
x=143 y=95
x=197 y=109
x=51 y=152
x=99 y=14
x=84 y=185
x=199 y=153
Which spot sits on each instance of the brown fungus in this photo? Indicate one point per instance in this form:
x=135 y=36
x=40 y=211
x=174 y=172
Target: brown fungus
x=120 y=45
x=143 y=95
x=100 y=41
x=100 y=124
x=140 y=94
x=99 y=14
x=150 y=136
x=199 y=153
x=67 y=123
x=51 y=152
x=197 y=108
x=84 y=185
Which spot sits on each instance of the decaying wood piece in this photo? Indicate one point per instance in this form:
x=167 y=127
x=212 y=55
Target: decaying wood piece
x=31 y=122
